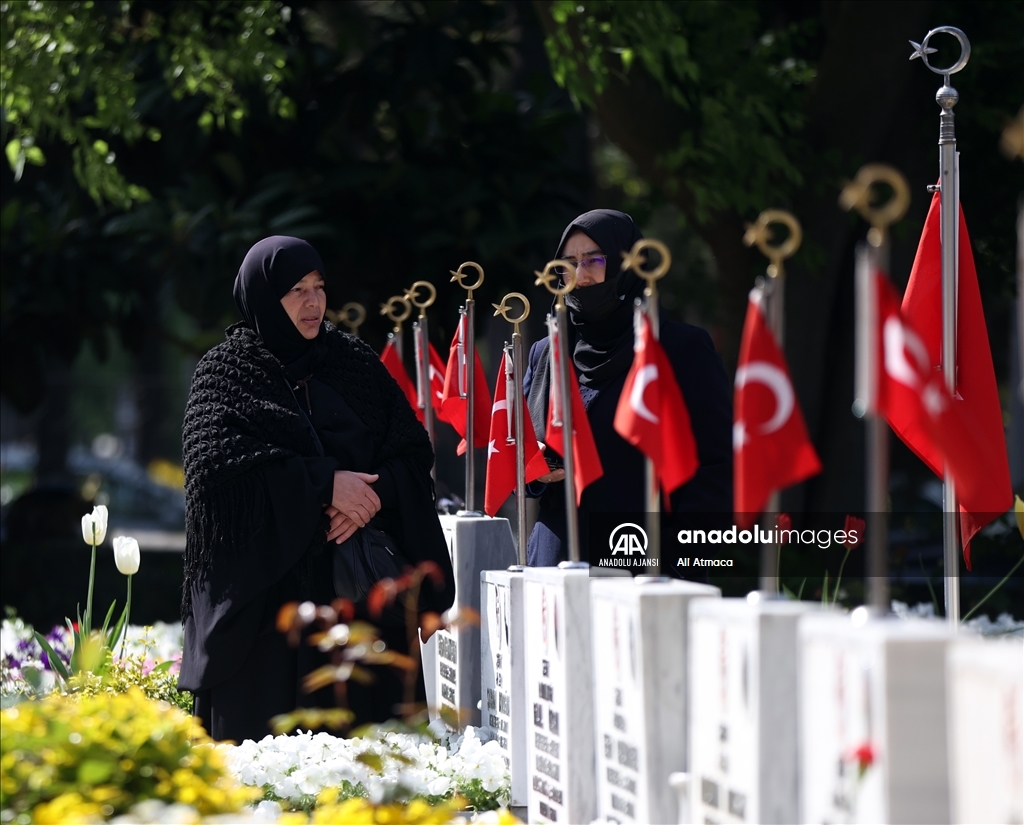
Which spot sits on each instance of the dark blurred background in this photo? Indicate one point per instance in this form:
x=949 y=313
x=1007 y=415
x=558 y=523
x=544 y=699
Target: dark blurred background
x=149 y=144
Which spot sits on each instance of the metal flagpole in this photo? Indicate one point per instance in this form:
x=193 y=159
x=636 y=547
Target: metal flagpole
x=558 y=325
x=398 y=309
x=760 y=234
x=421 y=339
x=514 y=390
x=874 y=257
x=350 y=315
x=949 y=194
x=468 y=345
x=634 y=259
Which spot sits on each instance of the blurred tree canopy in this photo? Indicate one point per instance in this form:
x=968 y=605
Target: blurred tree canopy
x=405 y=137
x=401 y=138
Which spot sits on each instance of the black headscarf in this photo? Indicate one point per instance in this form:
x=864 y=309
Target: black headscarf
x=602 y=314
x=269 y=270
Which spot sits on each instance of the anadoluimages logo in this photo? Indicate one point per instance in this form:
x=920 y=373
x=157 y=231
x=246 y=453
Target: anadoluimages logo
x=628 y=539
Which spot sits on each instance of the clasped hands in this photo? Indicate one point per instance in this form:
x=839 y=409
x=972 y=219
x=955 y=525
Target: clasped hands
x=353 y=504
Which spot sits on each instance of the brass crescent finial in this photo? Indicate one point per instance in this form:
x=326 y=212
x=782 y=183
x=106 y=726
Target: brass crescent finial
x=858 y=195
x=502 y=309
x=549 y=278
x=390 y=309
x=350 y=315
x=636 y=257
x=759 y=234
x=459 y=275
x=411 y=295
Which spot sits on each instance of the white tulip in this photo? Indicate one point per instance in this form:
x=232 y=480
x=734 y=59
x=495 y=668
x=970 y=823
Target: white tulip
x=94 y=525
x=126 y=555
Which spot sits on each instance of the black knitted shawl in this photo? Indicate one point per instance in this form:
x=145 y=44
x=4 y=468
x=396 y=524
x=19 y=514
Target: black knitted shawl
x=241 y=414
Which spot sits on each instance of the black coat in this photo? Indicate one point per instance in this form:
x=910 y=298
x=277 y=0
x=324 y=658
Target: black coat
x=708 y=396
x=256 y=486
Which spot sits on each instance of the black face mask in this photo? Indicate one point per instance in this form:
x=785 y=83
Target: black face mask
x=594 y=303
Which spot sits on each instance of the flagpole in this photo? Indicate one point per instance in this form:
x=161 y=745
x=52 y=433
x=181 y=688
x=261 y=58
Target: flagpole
x=949 y=214
x=470 y=354
x=549 y=278
x=759 y=233
x=873 y=257
x=519 y=410
x=422 y=341
x=634 y=259
x=398 y=309
x=350 y=315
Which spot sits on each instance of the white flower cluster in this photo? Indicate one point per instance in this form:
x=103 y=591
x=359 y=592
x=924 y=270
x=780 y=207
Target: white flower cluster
x=1004 y=625
x=296 y=768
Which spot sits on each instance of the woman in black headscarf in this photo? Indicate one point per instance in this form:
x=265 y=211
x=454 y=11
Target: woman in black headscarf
x=600 y=311
x=295 y=437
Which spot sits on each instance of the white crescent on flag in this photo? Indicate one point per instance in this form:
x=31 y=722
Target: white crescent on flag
x=776 y=380
x=899 y=339
x=644 y=376
x=499 y=406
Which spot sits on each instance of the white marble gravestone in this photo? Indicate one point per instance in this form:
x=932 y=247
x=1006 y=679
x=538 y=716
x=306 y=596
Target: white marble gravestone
x=743 y=710
x=560 y=693
x=640 y=644
x=872 y=719
x=503 y=671
x=476 y=543
x=985 y=681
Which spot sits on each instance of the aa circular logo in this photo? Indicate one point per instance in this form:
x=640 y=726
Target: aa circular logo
x=627 y=540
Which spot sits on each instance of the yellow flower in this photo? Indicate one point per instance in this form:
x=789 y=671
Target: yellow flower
x=67 y=809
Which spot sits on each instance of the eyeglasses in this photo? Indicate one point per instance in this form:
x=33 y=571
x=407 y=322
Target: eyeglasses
x=586 y=263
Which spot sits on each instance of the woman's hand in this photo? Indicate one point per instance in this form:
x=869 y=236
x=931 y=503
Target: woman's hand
x=354 y=497
x=554 y=475
x=341 y=527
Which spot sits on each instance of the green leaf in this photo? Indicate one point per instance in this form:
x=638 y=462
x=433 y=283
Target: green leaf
x=13 y=150
x=35 y=156
x=101 y=147
x=371 y=759
x=94 y=771
x=55 y=660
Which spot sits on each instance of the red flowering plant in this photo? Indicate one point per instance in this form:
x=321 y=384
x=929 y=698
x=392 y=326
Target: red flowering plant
x=854 y=528
x=353 y=645
x=383 y=598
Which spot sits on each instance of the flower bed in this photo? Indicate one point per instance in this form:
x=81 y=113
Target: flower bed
x=386 y=767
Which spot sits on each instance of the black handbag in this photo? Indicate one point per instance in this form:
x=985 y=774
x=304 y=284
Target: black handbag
x=362 y=560
x=365 y=557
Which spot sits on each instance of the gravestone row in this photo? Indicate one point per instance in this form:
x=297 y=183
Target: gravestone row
x=655 y=700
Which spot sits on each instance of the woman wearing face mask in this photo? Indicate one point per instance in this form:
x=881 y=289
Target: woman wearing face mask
x=295 y=437
x=600 y=312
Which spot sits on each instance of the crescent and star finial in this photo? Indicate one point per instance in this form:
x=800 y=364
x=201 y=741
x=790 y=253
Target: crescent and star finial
x=460 y=274
x=351 y=315
x=922 y=50
x=759 y=234
x=503 y=309
x=860 y=194
x=551 y=275
x=398 y=309
x=637 y=257
x=412 y=296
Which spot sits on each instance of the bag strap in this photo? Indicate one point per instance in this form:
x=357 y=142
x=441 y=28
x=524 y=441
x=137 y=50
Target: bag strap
x=302 y=412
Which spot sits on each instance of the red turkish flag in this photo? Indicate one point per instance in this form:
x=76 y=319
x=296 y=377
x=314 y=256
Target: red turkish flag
x=390 y=359
x=501 y=453
x=652 y=415
x=770 y=444
x=453 y=405
x=586 y=462
x=437 y=371
x=983 y=477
